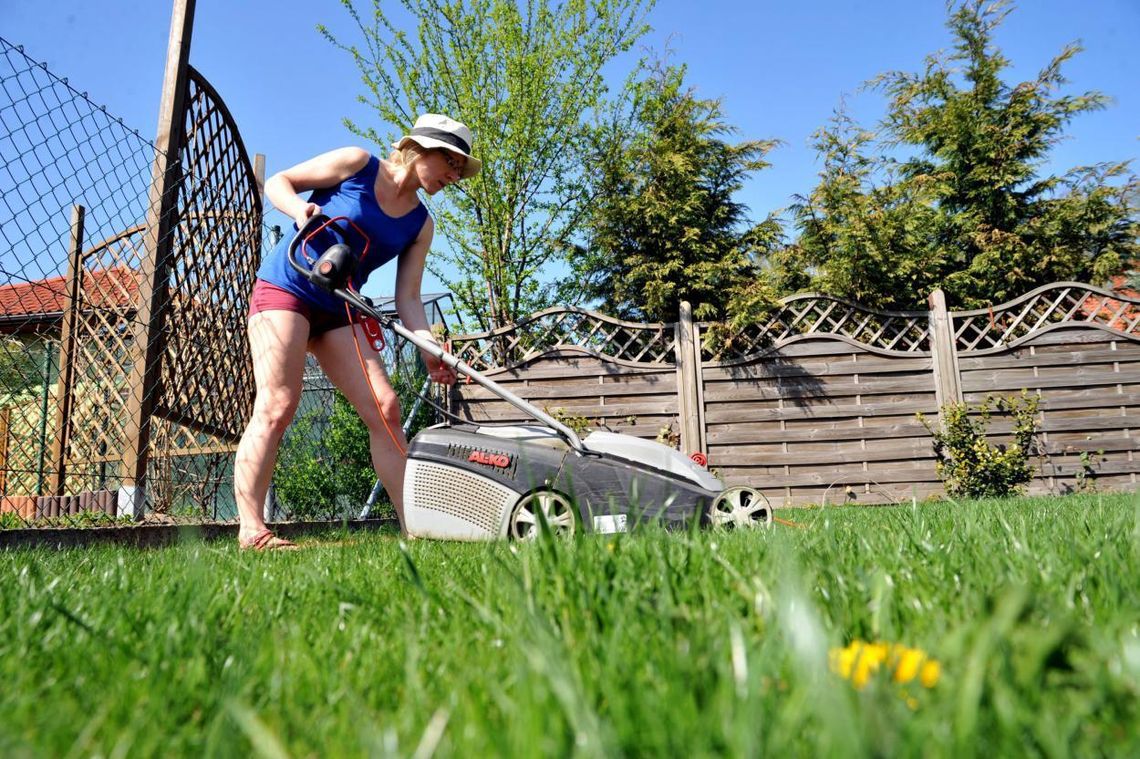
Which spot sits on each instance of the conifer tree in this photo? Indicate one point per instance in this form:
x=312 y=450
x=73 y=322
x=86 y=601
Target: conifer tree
x=665 y=224
x=967 y=207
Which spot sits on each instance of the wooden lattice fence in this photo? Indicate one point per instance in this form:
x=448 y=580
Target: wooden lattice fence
x=819 y=403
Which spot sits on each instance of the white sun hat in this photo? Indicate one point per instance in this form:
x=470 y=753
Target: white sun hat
x=432 y=130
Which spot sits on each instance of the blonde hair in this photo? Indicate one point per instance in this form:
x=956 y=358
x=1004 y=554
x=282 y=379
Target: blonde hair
x=407 y=155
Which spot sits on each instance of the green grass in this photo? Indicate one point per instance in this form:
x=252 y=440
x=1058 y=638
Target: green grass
x=681 y=644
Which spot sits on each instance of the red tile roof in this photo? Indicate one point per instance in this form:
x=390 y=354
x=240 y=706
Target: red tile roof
x=1114 y=313
x=116 y=287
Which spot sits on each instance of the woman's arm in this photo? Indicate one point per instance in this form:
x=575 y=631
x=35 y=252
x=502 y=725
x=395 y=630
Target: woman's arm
x=410 y=304
x=283 y=188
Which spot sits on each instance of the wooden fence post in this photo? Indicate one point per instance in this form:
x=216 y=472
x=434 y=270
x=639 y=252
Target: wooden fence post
x=161 y=223
x=943 y=352
x=259 y=172
x=5 y=421
x=58 y=482
x=688 y=382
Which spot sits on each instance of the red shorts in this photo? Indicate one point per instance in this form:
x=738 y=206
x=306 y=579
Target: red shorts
x=267 y=297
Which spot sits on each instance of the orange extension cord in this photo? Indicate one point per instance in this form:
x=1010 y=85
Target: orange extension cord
x=368 y=378
x=353 y=323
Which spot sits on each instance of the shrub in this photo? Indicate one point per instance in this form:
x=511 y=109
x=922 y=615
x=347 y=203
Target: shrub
x=324 y=466
x=579 y=424
x=303 y=477
x=971 y=466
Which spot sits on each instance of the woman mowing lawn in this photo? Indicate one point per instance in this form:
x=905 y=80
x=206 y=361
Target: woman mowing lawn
x=289 y=316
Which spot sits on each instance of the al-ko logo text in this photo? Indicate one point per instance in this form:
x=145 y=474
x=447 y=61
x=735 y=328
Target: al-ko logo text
x=490 y=459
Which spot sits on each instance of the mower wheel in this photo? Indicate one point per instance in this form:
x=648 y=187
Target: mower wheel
x=740 y=508
x=555 y=507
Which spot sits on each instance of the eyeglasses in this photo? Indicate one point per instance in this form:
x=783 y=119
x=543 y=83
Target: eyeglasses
x=453 y=163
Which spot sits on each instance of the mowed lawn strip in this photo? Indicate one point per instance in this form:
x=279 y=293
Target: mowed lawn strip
x=652 y=643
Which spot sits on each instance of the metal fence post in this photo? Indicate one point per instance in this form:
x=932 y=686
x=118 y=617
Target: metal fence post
x=944 y=353
x=5 y=423
x=161 y=211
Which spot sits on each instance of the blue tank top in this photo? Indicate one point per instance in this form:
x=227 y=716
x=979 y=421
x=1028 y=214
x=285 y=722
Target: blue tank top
x=355 y=198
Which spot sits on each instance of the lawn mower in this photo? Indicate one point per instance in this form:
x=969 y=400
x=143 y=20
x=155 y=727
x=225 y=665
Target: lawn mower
x=467 y=481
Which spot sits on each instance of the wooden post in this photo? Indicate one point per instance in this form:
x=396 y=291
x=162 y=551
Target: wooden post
x=5 y=420
x=947 y=386
x=259 y=172
x=58 y=482
x=688 y=381
x=161 y=224
x=699 y=381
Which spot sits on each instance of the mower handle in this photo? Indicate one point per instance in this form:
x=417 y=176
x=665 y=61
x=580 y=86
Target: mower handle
x=310 y=224
x=365 y=305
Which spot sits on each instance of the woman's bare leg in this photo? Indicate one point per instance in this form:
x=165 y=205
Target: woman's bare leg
x=336 y=352
x=277 y=341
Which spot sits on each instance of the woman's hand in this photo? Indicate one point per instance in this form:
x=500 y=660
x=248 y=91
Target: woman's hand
x=306 y=212
x=437 y=370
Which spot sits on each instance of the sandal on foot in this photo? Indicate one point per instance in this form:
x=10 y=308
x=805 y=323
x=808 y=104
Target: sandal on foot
x=267 y=541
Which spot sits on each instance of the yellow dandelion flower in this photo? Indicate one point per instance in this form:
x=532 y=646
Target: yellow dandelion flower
x=842 y=660
x=907 y=663
x=862 y=672
x=859 y=662
x=931 y=670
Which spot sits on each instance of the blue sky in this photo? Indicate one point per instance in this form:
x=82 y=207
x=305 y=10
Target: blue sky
x=781 y=68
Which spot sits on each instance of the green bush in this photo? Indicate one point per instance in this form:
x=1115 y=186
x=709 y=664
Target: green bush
x=968 y=464
x=324 y=466
x=347 y=441
x=303 y=477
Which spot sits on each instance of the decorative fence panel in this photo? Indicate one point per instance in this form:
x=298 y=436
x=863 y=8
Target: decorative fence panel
x=204 y=391
x=577 y=363
x=1078 y=349
x=97 y=344
x=822 y=418
x=820 y=402
x=205 y=383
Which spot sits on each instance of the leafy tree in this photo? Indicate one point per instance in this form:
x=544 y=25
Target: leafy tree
x=966 y=209
x=665 y=226
x=526 y=79
x=22 y=364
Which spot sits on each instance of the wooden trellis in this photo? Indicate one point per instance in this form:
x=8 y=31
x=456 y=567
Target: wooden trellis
x=205 y=384
x=95 y=352
x=807 y=314
x=1063 y=303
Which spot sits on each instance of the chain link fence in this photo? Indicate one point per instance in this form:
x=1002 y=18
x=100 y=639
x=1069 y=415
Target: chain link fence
x=58 y=150
x=123 y=296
